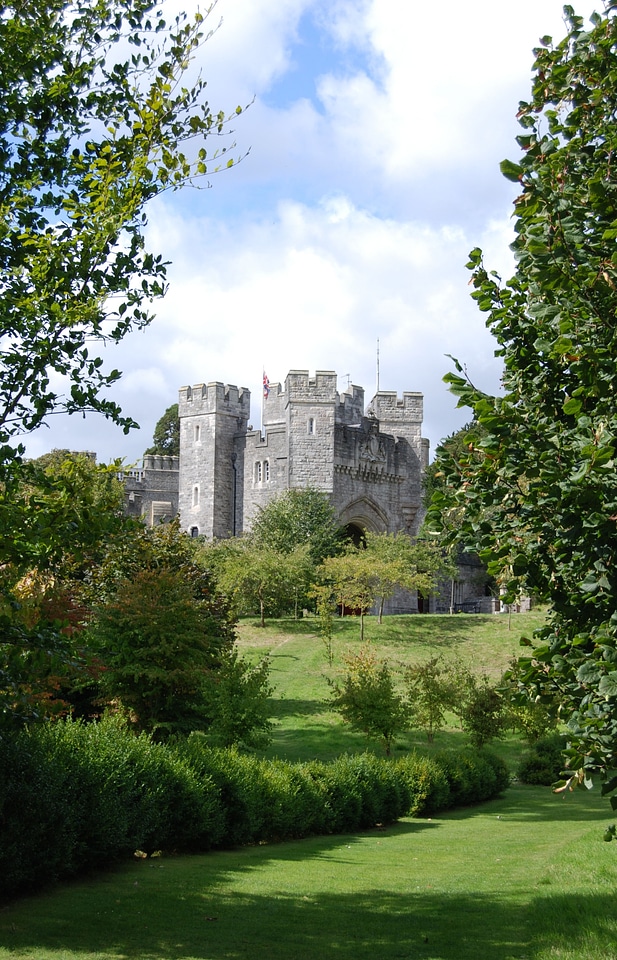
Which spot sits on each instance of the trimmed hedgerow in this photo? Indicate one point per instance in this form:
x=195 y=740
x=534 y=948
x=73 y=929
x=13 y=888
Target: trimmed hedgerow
x=73 y=795
x=427 y=783
x=473 y=775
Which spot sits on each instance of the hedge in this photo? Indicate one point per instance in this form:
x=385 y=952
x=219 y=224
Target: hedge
x=74 y=795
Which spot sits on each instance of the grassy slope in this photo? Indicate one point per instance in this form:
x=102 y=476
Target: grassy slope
x=306 y=728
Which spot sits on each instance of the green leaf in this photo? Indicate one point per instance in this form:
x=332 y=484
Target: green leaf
x=511 y=171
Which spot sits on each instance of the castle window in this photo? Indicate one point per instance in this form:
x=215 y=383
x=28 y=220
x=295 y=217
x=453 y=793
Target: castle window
x=311 y=426
x=266 y=470
x=197 y=432
x=194 y=531
x=196 y=496
x=258 y=471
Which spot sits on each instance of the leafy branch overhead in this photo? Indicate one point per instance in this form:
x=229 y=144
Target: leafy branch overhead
x=96 y=120
x=537 y=484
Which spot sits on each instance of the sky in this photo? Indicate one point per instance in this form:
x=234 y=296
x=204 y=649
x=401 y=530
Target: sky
x=370 y=168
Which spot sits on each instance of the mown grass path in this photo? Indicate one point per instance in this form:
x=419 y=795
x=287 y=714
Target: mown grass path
x=526 y=876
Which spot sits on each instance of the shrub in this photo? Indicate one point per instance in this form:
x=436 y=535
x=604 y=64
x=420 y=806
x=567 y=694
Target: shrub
x=544 y=762
x=426 y=782
x=366 y=699
x=75 y=795
x=472 y=775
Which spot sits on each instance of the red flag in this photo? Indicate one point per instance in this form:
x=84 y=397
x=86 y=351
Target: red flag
x=266 y=386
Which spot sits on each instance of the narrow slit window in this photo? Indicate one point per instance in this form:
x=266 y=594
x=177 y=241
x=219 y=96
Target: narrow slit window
x=258 y=471
x=311 y=426
x=197 y=433
x=266 y=470
x=195 y=496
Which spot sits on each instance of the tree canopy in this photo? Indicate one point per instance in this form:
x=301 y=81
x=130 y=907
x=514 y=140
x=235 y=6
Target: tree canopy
x=539 y=490
x=167 y=434
x=298 y=518
x=96 y=119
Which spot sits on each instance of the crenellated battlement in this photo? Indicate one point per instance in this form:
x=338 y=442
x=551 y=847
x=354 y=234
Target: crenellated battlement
x=351 y=405
x=154 y=462
x=215 y=397
x=388 y=406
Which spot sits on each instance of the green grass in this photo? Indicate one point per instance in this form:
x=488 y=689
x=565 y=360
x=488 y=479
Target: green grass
x=527 y=876
x=305 y=727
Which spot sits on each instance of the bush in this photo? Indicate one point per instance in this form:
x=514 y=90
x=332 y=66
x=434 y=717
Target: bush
x=426 y=782
x=75 y=795
x=544 y=762
x=472 y=775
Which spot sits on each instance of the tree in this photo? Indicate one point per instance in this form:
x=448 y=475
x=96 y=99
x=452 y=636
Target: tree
x=432 y=691
x=167 y=434
x=353 y=582
x=161 y=631
x=55 y=526
x=96 y=120
x=297 y=518
x=367 y=699
x=254 y=577
x=400 y=563
x=546 y=468
x=239 y=699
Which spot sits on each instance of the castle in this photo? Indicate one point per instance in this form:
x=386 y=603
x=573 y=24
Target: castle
x=369 y=462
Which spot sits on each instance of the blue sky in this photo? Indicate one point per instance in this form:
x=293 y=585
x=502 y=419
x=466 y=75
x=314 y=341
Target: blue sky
x=375 y=132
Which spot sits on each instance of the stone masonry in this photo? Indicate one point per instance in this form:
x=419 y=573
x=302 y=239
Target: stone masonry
x=370 y=463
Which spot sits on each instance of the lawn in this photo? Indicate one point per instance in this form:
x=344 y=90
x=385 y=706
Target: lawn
x=526 y=876
x=306 y=728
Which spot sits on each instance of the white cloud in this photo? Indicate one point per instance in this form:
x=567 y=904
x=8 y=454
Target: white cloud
x=351 y=219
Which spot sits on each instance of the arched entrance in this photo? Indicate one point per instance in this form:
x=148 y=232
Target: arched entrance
x=360 y=516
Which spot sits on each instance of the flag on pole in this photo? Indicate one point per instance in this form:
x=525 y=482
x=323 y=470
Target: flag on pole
x=266 y=386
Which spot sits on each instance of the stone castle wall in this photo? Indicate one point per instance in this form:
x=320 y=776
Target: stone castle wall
x=370 y=464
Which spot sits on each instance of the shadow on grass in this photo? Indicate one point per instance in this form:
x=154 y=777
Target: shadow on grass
x=311 y=900
x=167 y=914
x=294 y=708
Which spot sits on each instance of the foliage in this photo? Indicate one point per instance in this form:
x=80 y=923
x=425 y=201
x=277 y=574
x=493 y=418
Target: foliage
x=534 y=719
x=545 y=469
x=480 y=706
x=161 y=632
x=55 y=521
x=427 y=783
x=238 y=702
x=544 y=761
x=256 y=577
x=298 y=518
x=76 y=794
x=362 y=576
x=166 y=437
x=473 y=775
x=353 y=582
x=432 y=690
x=400 y=563
x=322 y=594
x=367 y=699
x=97 y=119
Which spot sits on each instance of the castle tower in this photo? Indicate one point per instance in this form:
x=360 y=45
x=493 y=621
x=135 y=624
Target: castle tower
x=401 y=417
x=213 y=424
x=311 y=414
